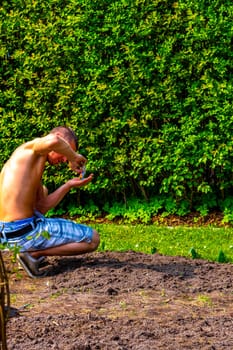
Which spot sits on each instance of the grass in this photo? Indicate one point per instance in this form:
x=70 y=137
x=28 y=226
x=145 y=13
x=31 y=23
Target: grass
x=209 y=243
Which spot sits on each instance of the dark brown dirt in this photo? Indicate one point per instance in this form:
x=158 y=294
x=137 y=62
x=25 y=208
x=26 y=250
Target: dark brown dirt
x=122 y=301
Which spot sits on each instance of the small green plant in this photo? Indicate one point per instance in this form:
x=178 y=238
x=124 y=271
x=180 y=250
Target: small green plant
x=221 y=257
x=153 y=250
x=102 y=246
x=203 y=209
x=123 y=304
x=228 y=216
x=204 y=300
x=193 y=253
x=15 y=249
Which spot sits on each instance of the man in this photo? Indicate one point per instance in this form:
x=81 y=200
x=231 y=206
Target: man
x=24 y=201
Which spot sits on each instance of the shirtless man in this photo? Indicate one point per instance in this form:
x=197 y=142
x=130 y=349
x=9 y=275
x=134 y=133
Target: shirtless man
x=24 y=201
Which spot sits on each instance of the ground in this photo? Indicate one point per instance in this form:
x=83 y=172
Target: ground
x=122 y=301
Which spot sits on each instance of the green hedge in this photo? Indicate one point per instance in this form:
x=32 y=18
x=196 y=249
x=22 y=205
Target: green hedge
x=147 y=85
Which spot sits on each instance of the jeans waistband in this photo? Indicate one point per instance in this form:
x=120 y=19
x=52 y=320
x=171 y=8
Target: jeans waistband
x=9 y=229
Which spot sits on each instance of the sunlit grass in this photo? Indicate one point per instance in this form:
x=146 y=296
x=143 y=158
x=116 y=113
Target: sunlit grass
x=213 y=244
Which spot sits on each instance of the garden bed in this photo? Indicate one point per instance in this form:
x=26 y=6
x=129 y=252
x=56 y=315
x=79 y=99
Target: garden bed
x=122 y=300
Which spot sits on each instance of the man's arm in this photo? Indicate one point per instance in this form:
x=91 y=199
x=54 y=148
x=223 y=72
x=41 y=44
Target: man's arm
x=45 y=202
x=56 y=143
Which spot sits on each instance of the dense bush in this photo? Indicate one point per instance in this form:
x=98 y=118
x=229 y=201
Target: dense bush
x=147 y=85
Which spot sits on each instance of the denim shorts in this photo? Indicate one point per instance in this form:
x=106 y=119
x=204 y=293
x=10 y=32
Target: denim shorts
x=47 y=233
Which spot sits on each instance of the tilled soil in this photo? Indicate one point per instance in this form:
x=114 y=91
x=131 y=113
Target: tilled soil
x=123 y=301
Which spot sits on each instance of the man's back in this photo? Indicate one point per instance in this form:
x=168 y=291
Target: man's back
x=19 y=182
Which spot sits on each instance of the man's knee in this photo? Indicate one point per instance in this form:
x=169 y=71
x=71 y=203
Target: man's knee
x=95 y=240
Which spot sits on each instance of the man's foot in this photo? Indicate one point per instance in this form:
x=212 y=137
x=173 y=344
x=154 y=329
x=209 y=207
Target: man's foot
x=31 y=265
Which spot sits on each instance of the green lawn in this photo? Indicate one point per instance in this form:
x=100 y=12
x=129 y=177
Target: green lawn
x=214 y=244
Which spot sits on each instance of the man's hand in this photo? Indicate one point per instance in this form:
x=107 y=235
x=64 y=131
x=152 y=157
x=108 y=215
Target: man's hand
x=77 y=163
x=77 y=182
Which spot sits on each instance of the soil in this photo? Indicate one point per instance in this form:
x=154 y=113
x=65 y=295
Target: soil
x=122 y=301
